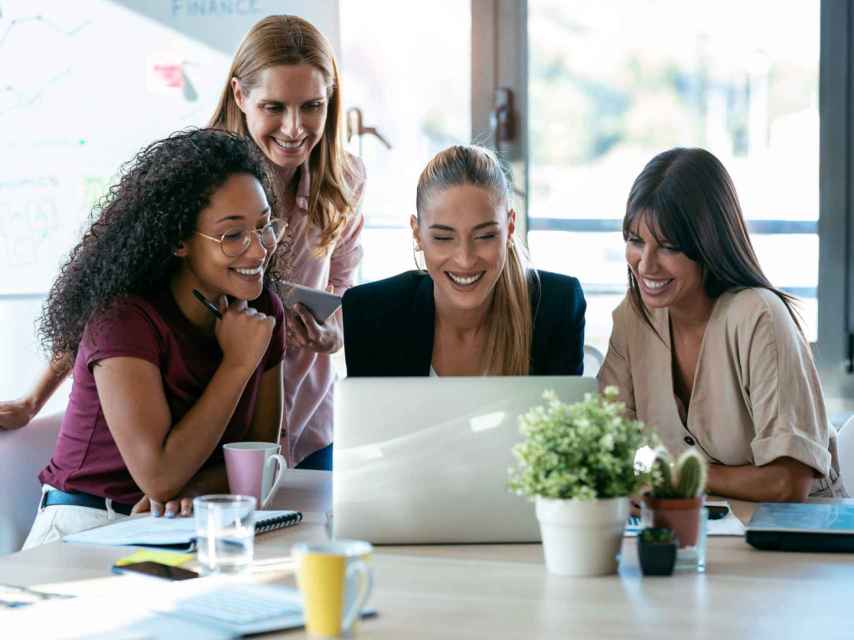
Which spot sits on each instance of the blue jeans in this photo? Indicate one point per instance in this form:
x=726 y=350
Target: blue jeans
x=320 y=459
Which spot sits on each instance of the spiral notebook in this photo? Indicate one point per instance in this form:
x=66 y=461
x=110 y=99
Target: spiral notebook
x=170 y=533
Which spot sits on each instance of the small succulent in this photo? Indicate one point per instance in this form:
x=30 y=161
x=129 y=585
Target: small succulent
x=686 y=478
x=657 y=535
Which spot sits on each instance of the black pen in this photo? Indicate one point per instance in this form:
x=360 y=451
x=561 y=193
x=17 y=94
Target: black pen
x=210 y=305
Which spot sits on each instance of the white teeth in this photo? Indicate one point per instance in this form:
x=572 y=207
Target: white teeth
x=655 y=284
x=250 y=272
x=288 y=145
x=462 y=280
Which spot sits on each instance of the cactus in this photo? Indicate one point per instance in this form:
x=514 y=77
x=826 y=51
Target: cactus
x=662 y=480
x=691 y=474
x=684 y=479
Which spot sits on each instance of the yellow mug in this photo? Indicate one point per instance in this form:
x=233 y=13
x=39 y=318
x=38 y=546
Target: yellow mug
x=335 y=581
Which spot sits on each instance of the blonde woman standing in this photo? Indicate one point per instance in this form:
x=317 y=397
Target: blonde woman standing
x=284 y=91
x=477 y=309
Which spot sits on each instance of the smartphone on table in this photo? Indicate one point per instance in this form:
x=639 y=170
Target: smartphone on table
x=156 y=570
x=717 y=511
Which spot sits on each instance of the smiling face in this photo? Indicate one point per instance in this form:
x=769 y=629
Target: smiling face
x=666 y=277
x=464 y=232
x=238 y=205
x=285 y=112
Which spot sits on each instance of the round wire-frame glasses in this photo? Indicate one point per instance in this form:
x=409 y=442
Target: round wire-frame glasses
x=236 y=243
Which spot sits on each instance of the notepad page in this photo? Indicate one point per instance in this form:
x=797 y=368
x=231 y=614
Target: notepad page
x=148 y=530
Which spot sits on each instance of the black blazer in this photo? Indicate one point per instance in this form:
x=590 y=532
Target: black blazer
x=388 y=326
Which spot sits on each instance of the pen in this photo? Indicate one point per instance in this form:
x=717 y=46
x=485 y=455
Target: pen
x=207 y=303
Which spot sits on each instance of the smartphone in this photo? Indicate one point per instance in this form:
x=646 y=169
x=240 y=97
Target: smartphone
x=156 y=570
x=717 y=511
x=322 y=304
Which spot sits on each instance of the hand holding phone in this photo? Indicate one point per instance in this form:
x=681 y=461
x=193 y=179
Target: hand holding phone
x=321 y=304
x=156 y=570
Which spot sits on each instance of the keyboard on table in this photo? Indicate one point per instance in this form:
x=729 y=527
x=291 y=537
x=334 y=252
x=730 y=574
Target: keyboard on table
x=244 y=608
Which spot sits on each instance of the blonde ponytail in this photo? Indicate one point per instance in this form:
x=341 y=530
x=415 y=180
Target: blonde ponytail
x=509 y=327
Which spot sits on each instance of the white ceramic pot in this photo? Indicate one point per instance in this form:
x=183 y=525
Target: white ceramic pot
x=582 y=537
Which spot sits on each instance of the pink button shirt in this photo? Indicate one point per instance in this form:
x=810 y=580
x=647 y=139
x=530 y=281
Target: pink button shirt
x=309 y=376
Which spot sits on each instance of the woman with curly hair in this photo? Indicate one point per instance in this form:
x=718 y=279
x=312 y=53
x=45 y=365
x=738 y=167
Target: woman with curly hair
x=160 y=381
x=284 y=91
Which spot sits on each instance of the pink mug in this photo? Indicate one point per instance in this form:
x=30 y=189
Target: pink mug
x=250 y=469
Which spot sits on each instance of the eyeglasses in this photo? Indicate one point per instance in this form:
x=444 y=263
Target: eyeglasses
x=236 y=243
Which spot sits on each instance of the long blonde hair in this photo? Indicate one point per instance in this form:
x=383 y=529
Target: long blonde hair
x=290 y=40
x=509 y=328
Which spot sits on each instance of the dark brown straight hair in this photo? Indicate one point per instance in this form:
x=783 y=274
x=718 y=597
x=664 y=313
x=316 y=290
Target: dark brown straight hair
x=690 y=203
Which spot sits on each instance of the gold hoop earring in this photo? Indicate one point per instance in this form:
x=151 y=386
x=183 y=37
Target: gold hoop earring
x=416 y=249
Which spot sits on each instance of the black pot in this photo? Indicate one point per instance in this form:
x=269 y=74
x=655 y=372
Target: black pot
x=656 y=558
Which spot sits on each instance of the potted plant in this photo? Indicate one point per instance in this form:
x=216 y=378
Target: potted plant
x=676 y=497
x=657 y=551
x=577 y=463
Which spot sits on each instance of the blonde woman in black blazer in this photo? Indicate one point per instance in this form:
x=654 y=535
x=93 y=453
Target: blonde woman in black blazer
x=477 y=309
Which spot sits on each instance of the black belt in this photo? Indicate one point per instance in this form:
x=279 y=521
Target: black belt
x=56 y=497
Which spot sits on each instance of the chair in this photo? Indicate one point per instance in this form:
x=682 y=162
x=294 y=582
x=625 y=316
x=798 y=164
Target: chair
x=593 y=359
x=24 y=453
x=845 y=446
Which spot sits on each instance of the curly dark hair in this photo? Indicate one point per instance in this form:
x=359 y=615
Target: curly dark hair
x=136 y=227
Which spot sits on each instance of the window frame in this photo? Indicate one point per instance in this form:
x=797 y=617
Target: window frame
x=834 y=348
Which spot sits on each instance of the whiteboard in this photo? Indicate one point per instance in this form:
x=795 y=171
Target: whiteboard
x=84 y=85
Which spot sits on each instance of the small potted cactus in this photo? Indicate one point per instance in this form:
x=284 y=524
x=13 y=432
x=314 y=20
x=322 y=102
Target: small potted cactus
x=657 y=551
x=677 y=494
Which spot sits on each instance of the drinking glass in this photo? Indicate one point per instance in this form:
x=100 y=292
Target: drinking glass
x=225 y=532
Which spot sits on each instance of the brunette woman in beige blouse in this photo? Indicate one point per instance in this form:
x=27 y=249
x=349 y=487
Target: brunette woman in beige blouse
x=705 y=350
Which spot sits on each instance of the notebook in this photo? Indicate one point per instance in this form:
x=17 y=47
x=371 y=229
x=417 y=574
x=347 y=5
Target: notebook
x=802 y=526
x=172 y=533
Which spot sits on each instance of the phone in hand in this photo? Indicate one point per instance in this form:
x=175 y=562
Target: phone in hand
x=321 y=304
x=156 y=570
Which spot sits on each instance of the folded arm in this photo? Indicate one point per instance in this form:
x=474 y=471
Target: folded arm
x=782 y=480
x=162 y=457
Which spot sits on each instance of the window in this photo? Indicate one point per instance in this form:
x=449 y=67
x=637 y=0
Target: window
x=610 y=85
x=407 y=67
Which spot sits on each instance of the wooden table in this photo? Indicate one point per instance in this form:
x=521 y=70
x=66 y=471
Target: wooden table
x=504 y=591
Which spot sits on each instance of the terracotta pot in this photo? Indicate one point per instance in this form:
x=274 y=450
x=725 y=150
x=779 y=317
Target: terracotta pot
x=682 y=515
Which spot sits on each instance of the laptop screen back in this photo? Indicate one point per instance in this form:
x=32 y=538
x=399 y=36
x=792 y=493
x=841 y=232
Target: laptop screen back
x=425 y=460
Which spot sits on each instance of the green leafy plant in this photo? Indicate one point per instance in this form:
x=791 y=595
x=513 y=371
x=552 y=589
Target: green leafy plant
x=657 y=535
x=686 y=478
x=581 y=451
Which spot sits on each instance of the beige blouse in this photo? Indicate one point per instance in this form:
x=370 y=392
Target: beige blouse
x=756 y=394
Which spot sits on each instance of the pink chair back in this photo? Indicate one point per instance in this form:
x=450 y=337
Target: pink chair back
x=24 y=453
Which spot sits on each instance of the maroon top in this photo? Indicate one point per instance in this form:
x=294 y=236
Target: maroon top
x=86 y=457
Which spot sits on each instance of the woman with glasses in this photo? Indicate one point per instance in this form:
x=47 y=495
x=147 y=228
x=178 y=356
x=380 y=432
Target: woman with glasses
x=284 y=91
x=706 y=350
x=162 y=380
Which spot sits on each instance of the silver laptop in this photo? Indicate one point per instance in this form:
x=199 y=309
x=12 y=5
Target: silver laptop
x=425 y=460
